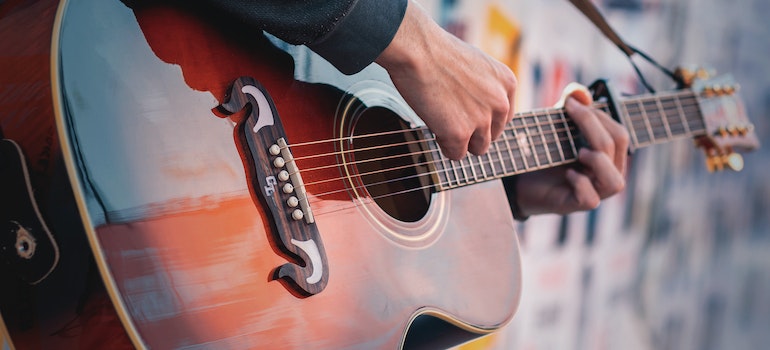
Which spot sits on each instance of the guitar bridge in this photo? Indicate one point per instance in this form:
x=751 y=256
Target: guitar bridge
x=293 y=186
x=277 y=188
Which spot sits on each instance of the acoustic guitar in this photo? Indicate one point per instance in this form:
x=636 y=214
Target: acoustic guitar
x=232 y=191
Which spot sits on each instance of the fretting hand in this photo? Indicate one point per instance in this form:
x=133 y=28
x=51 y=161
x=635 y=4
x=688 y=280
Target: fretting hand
x=599 y=173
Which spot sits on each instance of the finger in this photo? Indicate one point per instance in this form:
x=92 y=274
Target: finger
x=480 y=140
x=590 y=126
x=584 y=196
x=499 y=121
x=621 y=139
x=575 y=90
x=605 y=178
x=504 y=112
x=452 y=148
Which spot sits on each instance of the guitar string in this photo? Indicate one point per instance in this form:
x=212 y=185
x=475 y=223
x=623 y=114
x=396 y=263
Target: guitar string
x=550 y=140
x=448 y=183
x=468 y=164
x=481 y=162
x=492 y=158
x=640 y=116
x=374 y=198
x=535 y=136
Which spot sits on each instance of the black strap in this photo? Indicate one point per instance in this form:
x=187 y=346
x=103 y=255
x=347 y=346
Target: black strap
x=589 y=10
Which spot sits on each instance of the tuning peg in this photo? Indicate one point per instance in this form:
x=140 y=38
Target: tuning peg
x=718 y=90
x=745 y=130
x=686 y=75
x=721 y=131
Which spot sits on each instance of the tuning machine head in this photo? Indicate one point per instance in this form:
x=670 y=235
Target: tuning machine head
x=726 y=127
x=732 y=161
x=689 y=75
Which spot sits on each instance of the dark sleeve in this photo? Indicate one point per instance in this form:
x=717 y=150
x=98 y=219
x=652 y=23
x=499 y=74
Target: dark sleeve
x=350 y=34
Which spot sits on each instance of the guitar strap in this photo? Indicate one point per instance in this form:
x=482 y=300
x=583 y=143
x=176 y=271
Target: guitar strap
x=589 y=10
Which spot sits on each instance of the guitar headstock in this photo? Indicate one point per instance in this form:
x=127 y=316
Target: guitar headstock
x=728 y=129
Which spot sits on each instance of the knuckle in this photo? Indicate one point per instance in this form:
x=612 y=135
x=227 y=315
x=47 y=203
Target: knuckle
x=453 y=153
x=619 y=185
x=624 y=139
x=479 y=146
x=588 y=202
x=615 y=186
x=604 y=144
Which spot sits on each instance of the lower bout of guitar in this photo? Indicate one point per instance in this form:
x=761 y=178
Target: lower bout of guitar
x=203 y=277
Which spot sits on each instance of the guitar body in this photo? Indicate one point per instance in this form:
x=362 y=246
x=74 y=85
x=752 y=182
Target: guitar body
x=171 y=197
x=42 y=292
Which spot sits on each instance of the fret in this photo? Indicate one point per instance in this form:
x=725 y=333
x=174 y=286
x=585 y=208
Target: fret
x=552 y=139
x=568 y=127
x=491 y=161
x=457 y=173
x=542 y=136
x=692 y=109
x=531 y=141
x=654 y=119
x=466 y=174
x=673 y=117
x=472 y=178
x=439 y=162
x=448 y=173
x=646 y=120
x=631 y=125
x=482 y=171
x=468 y=169
x=522 y=143
x=641 y=128
x=556 y=136
x=663 y=118
x=489 y=165
x=682 y=115
x=499 y=158
x=510 y=151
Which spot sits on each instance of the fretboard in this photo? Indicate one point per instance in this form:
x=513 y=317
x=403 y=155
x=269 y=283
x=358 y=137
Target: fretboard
x=546 y=138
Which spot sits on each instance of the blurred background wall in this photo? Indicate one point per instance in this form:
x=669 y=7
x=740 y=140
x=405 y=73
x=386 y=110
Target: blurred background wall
x=681 y=259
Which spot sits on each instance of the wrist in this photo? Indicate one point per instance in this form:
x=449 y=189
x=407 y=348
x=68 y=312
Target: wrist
x=410 y=44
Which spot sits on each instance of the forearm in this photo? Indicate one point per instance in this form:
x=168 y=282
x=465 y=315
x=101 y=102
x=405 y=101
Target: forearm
x=463 y=95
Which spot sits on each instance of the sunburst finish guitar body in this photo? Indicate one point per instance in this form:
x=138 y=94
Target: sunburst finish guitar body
x=183 y=217
x=238 y=195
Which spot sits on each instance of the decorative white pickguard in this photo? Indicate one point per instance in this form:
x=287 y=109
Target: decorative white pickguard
x=311 y=249
x=265 y=112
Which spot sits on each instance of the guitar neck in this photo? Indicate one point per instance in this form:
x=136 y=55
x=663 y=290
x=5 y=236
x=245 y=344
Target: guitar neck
x=547 y=138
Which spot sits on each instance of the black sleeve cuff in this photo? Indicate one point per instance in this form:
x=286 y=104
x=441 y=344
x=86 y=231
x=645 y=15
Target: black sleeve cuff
x=359 y=38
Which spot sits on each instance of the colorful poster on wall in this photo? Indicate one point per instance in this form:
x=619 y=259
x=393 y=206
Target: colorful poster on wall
x=502 y=37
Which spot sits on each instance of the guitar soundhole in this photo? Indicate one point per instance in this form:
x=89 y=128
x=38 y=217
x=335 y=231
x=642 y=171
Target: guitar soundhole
x=392 y=165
